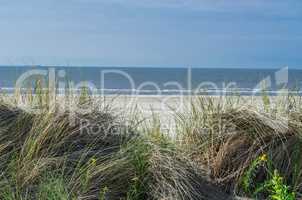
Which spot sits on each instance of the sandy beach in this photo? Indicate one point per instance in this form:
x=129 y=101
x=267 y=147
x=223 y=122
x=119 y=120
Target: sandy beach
x=166 y=106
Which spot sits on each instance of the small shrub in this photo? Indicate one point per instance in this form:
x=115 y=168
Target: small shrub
x=273 y=187
x=278 y=190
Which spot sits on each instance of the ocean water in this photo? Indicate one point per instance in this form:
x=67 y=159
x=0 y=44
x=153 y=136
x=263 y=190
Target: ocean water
x=151 y=81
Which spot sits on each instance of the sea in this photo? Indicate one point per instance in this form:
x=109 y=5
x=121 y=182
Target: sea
x=154 y=80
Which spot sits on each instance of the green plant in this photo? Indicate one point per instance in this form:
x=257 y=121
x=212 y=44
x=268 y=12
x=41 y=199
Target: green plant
x=273 y=185
x=278 y=190
x=248 y=183
x=139 y=157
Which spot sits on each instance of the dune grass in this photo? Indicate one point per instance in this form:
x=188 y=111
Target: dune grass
x=55 y=154
x=227 y=140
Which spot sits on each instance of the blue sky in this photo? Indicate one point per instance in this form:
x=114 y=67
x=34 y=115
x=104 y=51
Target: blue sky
x=168 y=33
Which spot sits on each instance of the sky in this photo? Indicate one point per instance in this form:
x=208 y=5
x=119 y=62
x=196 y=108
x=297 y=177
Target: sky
x=155 y=33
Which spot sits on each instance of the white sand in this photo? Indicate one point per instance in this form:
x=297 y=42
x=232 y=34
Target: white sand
x=165 y=106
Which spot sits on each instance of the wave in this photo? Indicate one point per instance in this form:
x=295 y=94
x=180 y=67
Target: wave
x=218 y=92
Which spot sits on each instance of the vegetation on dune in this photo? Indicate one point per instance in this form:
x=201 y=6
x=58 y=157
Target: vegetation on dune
x=227 y=139
x=221 y=151
x=272 y=186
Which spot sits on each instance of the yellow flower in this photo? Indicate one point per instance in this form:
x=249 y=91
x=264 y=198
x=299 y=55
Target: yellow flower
x=263 y=157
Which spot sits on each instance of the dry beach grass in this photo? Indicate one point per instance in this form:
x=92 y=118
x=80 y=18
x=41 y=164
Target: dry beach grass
x=106 y=155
